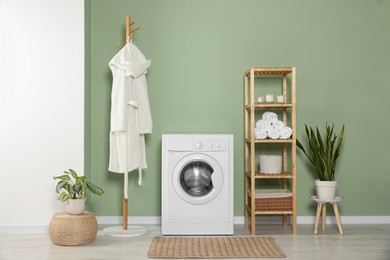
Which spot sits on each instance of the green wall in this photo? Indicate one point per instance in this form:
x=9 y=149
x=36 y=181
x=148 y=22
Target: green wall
x=199 y=52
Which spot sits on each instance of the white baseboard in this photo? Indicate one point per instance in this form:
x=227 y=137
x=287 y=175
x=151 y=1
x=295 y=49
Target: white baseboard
x=153 y=220
x=348 y=220
x=24 y=229
x=302 y=220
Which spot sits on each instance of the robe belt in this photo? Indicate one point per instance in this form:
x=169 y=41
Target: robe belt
x=135 y=104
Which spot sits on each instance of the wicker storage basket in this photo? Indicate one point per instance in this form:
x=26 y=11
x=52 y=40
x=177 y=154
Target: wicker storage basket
x=273 y=200
x=73 y=230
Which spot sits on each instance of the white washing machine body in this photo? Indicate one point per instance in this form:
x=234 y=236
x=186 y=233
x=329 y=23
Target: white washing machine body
x=197 y=184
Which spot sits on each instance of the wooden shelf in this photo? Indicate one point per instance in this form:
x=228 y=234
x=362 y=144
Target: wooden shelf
x=271 y=212
x=271 y=105
x=285 y=205
x=274 y=212
x=258 y=175
x=248 y=140
x=269 y=72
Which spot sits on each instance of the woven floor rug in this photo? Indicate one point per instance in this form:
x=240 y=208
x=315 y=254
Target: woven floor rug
x=214 y=247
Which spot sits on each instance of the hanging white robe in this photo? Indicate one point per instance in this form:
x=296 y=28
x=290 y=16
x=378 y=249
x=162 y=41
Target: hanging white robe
x=130 y=111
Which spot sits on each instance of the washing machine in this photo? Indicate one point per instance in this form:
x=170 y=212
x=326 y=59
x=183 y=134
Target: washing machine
x=197 y=184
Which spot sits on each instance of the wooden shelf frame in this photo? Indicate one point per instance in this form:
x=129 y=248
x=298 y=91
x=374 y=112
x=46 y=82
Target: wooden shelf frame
x=248 y=140
x=259 y=175
x=272 y=105
x=272 y=212
x=251 y=175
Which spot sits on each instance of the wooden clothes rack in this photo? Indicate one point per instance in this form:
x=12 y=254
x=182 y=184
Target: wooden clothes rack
x=125 y=230
x=129 y=34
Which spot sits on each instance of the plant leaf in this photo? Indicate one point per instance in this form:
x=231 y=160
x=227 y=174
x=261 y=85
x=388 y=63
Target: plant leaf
x=62 y=177
x=82 y=178
x=64 y=196
x=61 y=185
x=94 y=189
x=74 y=174
x=77 y=187
x=323 y=151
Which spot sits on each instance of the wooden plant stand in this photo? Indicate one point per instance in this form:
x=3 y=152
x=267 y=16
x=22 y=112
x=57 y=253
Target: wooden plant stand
x=321 y=207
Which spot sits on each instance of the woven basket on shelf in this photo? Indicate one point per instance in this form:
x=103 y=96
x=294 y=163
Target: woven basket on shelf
x=274 y=203
x=73 y=230
x=273 y=200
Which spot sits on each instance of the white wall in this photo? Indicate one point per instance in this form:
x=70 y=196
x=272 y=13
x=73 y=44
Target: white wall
x=41 y=105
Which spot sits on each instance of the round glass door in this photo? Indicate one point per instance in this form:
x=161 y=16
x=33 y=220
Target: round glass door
x=197 y=178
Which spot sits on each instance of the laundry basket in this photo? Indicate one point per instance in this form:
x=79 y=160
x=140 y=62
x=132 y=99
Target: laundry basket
x=273 y=199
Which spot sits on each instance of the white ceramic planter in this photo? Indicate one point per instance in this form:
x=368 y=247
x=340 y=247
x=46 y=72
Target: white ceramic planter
x=75 y=206
x=326 y=190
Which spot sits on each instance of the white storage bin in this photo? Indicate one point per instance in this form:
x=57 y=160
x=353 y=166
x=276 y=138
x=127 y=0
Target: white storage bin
x=270 y=164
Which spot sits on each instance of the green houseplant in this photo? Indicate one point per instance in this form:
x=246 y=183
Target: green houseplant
x=323 y=153
x=71 y=189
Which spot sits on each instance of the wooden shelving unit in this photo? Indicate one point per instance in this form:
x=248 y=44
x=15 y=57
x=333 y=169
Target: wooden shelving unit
x=271 y=206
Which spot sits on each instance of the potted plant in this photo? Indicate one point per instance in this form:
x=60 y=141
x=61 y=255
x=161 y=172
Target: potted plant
x=323 y=153
x=71 y=188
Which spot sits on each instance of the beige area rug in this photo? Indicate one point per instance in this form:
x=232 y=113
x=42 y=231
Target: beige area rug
x=214 y=247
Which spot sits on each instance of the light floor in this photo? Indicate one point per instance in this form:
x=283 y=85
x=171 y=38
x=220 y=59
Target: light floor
x=368 y=242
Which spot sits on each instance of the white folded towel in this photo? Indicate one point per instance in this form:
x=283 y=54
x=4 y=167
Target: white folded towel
x=285 y=132
x=273 y=134
x=270 y=116
x=278 y=124
x=260 y=134
x=259 y=123
x=263 y=124
x=268 y=128
x=264 y=116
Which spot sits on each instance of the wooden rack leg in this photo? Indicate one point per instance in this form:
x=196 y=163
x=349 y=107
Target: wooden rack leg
x=284 y=182
x=246 y=219
x=246 y=198
x=253 y=222
x=253 y=206
x=294 y=223
x=125 y=210
x=323 y=217
x=336 y=212
x=319 y=206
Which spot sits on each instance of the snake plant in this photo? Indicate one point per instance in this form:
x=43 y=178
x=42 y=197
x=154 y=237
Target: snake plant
x=323 y=152
x=73 y=186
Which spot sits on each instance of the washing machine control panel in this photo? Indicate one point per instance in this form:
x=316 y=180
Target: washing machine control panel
x=209 y=145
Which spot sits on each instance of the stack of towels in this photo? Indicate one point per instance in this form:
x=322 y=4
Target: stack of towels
x=270 y=127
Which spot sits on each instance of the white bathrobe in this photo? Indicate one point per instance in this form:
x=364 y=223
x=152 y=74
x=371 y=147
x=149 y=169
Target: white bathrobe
x=130 y=112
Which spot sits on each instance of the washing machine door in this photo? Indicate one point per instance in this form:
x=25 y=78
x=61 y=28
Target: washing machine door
x=197 y=178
